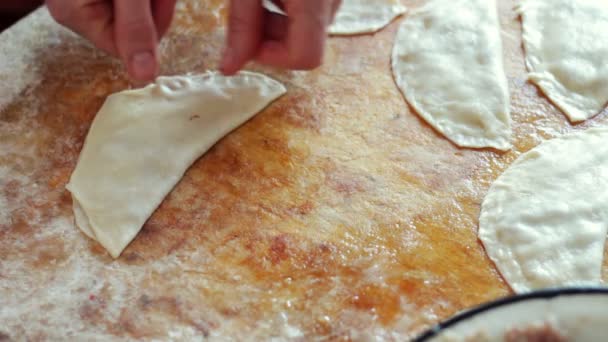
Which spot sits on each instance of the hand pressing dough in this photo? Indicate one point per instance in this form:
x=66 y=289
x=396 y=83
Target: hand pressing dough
x=544 y=220
x=358 y=16
x=566 y=50
x=142 y=141
x=447 y=61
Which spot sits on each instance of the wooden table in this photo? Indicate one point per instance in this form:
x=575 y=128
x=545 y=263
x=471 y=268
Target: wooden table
x=336 y=213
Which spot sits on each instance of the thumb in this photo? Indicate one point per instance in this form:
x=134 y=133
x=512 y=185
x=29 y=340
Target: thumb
x=136 y=38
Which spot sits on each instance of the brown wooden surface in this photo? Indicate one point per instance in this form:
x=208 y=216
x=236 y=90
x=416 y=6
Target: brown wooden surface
x=336 y=213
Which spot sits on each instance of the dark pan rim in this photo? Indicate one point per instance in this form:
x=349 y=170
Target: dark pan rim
x=541 y=294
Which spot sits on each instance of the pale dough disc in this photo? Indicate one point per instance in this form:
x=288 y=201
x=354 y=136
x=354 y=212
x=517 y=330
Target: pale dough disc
x=447 y=61
x=358 y=16
x=566 y=50
x=365 y=16
x=544 y=220
x=142 y=141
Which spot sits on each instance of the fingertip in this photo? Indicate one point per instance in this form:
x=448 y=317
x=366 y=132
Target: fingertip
x=136 y=38
x=228 y=66
x=227 y=71
x=306 y=61
x=143 y=66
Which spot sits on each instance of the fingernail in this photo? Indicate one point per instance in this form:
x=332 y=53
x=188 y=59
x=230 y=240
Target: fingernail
x=143 y=66
x=227 y=60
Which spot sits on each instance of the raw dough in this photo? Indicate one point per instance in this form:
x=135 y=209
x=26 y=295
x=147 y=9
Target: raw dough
x=142 y=141
x=566 y=50
x=358 y=16
x=365 y=16
x=269 y=5
x=544 y=220
x=447 y=60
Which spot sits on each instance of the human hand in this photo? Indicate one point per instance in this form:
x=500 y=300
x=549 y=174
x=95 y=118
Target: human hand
x=18 y=7
x=128 y=29
x=295 y=41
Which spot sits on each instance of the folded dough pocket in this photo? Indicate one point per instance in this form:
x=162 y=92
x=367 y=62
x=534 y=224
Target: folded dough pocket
x=143 y=141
